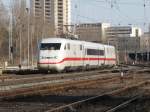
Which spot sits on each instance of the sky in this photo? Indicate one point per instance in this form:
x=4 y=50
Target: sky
x=116 y=12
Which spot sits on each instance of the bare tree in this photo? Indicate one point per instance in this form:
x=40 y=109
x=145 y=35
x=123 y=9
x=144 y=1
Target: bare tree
x=4 y=21
x=20 y=29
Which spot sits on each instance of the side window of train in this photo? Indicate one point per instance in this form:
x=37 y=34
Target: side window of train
x=68 y=46
x=65 y=48
x=102 y=52
x=80 y=47
x=95 y=52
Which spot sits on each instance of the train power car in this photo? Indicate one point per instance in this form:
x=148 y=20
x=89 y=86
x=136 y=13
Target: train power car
x=60 y=54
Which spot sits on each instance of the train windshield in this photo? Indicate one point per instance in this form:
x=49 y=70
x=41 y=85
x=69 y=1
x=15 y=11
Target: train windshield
x=50 y=46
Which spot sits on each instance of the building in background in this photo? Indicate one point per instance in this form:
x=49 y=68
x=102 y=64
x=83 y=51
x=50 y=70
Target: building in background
x=125 y=46
x=145 y=46
x=123 y=31
x=145 y=42
x=126 y=39
x=92 y=31
x=51 y=16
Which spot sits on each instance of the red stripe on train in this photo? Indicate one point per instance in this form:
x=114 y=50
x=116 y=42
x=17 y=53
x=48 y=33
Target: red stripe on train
x=79 y=59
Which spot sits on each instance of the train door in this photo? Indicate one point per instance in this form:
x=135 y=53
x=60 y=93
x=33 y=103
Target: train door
x=75 y=54
x=88 y=57
x=79 y=54
x=105 y=53
x=99 y=57
x=85 y=56
x=82 y=56
x=69 y=54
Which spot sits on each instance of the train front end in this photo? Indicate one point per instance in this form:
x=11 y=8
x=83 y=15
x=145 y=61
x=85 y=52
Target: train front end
x=50 y=55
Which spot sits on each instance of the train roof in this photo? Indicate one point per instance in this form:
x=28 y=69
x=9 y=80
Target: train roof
x=54 y=40
x=64 y=40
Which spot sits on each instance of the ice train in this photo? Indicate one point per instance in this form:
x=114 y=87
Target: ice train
x=60 y=54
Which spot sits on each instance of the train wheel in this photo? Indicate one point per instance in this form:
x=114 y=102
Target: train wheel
x=87 y=67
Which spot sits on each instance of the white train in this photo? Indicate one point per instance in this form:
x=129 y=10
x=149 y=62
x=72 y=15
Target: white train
x=59 y=54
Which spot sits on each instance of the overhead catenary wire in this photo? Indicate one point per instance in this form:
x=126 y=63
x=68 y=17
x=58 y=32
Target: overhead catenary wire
x=121 y=2
x=116 y=7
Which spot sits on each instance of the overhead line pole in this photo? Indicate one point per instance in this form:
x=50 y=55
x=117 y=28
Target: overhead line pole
x=10 y=35
x=43 y=32
x=28 y=39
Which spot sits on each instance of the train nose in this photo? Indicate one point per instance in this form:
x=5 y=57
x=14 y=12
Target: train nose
x=48 y=62
x=49 y=66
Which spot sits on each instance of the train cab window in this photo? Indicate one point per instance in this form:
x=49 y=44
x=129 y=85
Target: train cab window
x=50 y=46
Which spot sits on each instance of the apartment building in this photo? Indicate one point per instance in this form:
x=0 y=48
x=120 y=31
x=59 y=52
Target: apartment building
x=52 y=15
x=92 y=31
x=123 y=31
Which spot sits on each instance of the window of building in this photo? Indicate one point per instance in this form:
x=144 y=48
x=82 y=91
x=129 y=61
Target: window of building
x=37 y=3
x=60 y=4
x=47 y=3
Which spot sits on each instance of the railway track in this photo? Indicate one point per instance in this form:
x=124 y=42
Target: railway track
x=6 y=77
x=84 y=105
x=124 y=104
x=52 y=86
x=55 y=77
x=9 y=78
x=89 y=87
x=3 y=78
x=15 y=79
x=48 y=84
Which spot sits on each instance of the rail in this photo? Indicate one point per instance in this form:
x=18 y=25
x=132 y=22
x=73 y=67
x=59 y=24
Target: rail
x=124 y=104
x=51 y=86
x=96 y=98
